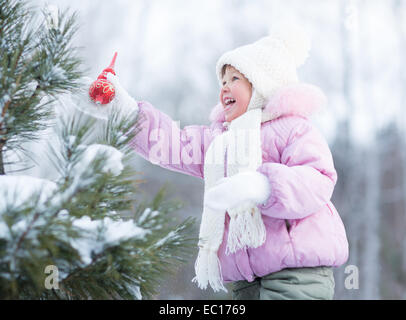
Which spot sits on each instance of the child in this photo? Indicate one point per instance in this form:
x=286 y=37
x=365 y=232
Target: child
x=268 y=224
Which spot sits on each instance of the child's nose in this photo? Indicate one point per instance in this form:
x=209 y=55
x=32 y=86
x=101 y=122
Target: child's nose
x=225 y=88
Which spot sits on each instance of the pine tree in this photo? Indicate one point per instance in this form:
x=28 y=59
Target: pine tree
x=79 y=236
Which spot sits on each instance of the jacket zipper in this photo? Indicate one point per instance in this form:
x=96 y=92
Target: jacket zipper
x=288 y=225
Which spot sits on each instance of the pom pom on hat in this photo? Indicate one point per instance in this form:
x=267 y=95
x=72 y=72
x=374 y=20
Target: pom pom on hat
x=296 y=41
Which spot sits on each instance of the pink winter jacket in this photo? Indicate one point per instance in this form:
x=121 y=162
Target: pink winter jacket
x=303 y=227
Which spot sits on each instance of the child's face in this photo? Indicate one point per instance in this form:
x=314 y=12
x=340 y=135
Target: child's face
x=235 y=93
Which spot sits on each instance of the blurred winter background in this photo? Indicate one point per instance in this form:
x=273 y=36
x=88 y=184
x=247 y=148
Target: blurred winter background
x=167 y=52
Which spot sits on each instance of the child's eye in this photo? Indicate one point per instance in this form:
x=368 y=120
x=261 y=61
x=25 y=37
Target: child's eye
x=235 y=78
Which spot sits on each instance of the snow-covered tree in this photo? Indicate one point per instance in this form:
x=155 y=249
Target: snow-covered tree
x=80 y=235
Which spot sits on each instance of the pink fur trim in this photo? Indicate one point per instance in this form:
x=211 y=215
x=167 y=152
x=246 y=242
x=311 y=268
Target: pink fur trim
x=299 y=99
x=217 y=114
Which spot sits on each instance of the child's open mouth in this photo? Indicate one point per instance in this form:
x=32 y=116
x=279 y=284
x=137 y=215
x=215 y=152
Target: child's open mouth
x=229 y=102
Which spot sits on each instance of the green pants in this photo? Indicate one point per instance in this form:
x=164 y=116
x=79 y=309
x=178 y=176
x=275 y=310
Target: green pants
x=288 y=284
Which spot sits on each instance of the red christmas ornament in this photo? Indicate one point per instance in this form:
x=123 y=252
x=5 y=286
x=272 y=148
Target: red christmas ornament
x=102 y=91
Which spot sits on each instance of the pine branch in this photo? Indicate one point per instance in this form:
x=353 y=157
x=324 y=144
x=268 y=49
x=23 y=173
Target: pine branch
x=2 y=143
x=76 y=224
x=85 y=269
x=35 y=62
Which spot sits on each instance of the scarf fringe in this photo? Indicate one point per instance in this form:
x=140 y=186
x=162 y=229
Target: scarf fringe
x=246 y=228
x=208 y=271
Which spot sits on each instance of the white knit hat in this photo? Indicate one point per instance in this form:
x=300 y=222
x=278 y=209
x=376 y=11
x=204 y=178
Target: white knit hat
x=270 y=63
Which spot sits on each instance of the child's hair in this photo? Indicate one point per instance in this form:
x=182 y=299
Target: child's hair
x=223 y=70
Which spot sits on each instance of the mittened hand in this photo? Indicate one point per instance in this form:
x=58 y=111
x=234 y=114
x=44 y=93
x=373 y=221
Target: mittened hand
x=233 y=191
x=122 y=100
x=82 y=101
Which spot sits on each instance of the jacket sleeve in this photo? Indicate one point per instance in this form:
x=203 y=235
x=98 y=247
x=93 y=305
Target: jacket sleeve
x=304 y=179
x=160 y=141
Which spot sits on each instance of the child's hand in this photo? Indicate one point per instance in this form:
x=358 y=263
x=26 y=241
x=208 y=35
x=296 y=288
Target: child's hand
x=122 y=100
x=233 y=191
x=82 y=102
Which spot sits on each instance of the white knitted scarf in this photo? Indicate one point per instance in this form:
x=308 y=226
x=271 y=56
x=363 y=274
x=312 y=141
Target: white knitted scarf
x=241 y=146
